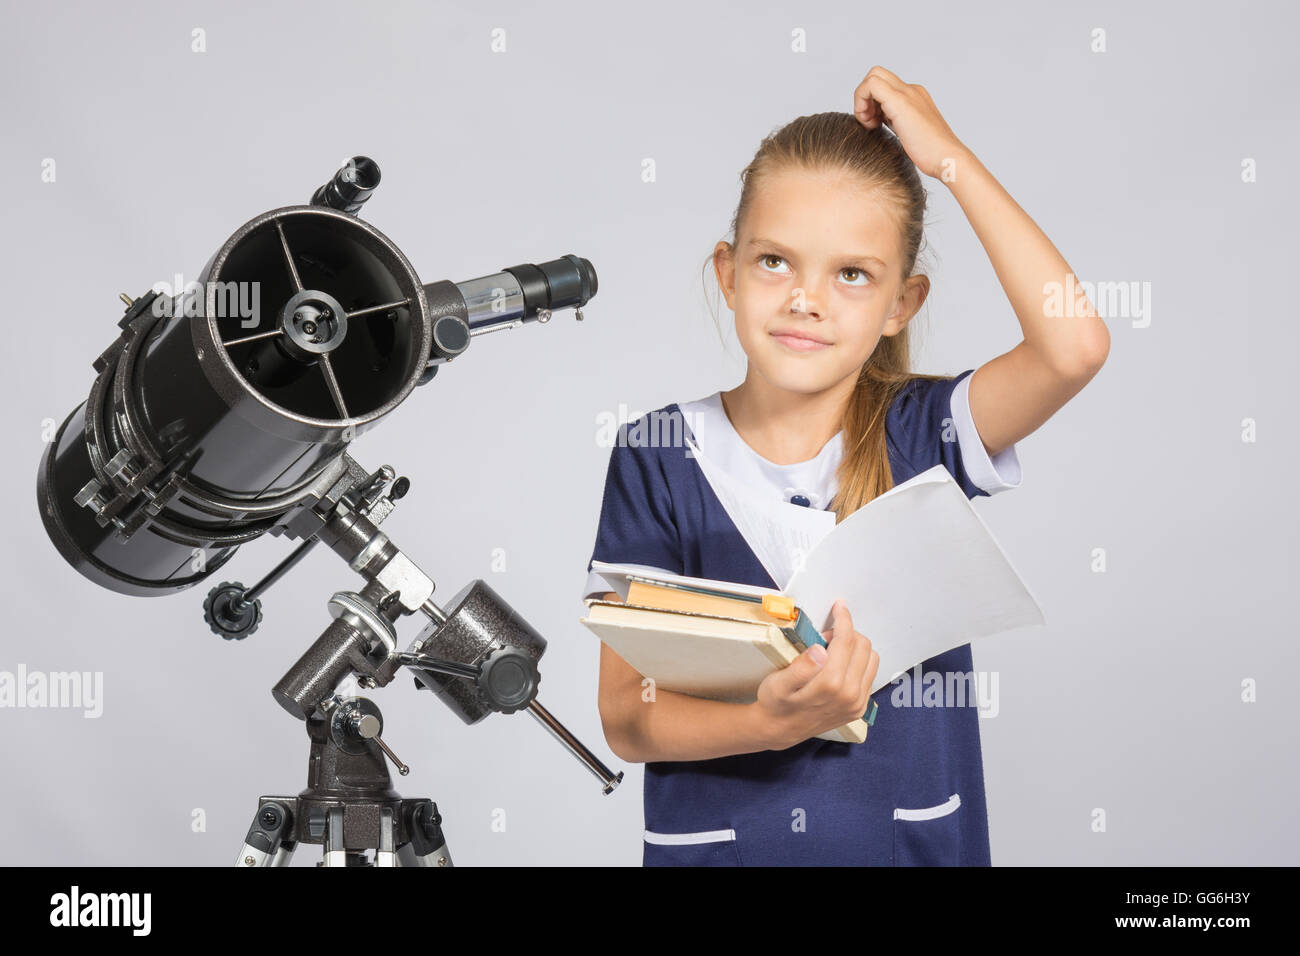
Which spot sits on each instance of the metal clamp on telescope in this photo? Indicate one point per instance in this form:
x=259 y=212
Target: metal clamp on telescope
x=220 y=415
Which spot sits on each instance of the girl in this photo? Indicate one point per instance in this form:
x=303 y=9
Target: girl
x=819 y=274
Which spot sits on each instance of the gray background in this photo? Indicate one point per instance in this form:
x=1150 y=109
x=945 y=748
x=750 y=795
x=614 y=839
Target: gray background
x=1129 y=700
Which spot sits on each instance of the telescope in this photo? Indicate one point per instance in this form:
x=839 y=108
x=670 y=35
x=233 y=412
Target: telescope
x=225 y=410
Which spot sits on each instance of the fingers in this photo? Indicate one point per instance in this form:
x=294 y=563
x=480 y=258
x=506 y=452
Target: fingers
x=789 y=680
x=889 y=77
x=864 y=663
x=866 y=106
x=840 y=656
x=816 y=660
x=860 y=670
x=869 y=675
x=857 y=667
x=871 y=102
x=871 y=98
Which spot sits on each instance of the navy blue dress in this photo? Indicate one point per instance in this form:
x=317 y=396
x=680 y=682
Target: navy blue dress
x=912 y=794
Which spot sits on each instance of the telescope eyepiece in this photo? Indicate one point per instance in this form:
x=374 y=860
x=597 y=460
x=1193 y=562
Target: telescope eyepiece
x=564 y=283
x=350 y=187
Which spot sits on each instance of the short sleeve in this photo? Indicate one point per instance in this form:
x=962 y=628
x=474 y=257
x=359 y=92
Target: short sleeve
x=636 y=516
x=930 y=423
x=991 y=474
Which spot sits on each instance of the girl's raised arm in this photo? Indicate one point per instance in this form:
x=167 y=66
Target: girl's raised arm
x=1013 y=394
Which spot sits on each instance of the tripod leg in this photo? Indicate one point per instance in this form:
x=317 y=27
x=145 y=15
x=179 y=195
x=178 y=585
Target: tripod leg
x=264 y=844
x=335 y=854
x=428 y=847
x=283 y=855
x=252 y=856
x=384 y=854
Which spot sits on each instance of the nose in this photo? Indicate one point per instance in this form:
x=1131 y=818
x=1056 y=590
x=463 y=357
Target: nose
x=804 y=302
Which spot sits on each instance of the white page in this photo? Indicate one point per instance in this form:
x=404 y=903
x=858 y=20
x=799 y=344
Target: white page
x=616 y=574
x=919 y=572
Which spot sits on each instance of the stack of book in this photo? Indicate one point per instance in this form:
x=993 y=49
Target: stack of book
x=916 y=567
x=706 y=638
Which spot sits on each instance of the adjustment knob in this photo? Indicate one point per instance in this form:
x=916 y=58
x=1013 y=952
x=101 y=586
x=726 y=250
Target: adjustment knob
x=509 y=678
x=229 y=613
x=366 y=726
x=357 y=721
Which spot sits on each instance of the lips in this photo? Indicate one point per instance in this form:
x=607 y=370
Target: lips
x=800 y=341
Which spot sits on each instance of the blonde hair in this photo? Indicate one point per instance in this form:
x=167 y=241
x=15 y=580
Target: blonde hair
x=837 y=141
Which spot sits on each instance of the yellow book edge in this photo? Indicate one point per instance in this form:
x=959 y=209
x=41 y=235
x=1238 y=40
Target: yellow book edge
x=645 y=594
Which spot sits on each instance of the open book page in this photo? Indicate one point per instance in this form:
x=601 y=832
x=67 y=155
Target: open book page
x=616 y=574
x=919 y=572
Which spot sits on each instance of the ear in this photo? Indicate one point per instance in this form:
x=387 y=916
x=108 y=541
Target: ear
x=910 y=300
x=724 y=267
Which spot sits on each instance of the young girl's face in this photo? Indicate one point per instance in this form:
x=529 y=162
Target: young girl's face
x=819 y=255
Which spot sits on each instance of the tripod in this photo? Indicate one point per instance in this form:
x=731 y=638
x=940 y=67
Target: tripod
x=349 y=805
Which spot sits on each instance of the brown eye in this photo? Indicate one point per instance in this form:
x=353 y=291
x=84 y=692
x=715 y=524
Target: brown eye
x=765 y=259
x=857 y=274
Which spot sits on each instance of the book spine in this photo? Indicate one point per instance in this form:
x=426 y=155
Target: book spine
x=792 y=635
x=802 y=634
x=808 y=635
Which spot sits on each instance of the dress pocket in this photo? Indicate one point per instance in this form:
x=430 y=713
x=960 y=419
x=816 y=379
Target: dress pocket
x=705 y=848
x=930 y=836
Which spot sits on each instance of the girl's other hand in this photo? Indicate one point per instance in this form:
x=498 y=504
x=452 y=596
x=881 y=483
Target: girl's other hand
x=908 y=110
x=822 y=688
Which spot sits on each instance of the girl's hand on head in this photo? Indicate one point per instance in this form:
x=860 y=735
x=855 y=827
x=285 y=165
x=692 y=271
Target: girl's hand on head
x=908 y=110
x=822 y=688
